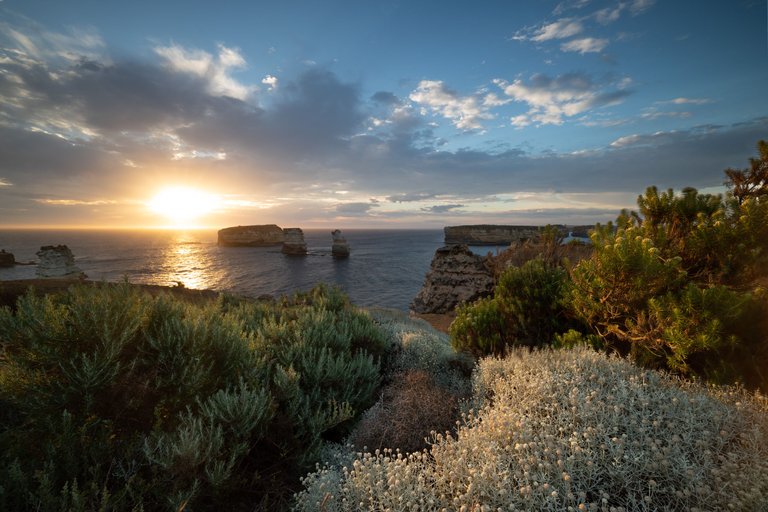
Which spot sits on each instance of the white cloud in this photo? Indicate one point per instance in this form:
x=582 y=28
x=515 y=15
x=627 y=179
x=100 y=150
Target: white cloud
x=75 y=202
x=4 y=183
x=41 y=44
x=270 y=81
x=608 y=14
x=550 y=100
x=585 y=45
x=465 y=112
x=216 y=70
x=638 y=6
x=642 y=139
x=559 y=29
x=687 y=101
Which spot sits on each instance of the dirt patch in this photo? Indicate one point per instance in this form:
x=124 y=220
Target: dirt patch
x=441 y=322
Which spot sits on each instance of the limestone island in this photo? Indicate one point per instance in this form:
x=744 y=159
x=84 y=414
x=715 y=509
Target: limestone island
x=251 y=236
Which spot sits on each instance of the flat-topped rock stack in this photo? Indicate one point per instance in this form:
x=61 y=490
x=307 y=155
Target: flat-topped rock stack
x=57 y=261
x=456 y=275
x=251 y=236
x=293 y=242
x=340 y=247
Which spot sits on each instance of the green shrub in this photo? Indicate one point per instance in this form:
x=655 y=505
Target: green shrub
x=116 y=400
x=527 y=309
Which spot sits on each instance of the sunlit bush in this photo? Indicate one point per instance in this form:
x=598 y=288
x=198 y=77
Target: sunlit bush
x=570 y=430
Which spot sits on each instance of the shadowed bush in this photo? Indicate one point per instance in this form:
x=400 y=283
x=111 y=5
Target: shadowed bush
x=115 y=400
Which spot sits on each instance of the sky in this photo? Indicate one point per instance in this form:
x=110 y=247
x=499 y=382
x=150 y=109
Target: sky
x=364 y=114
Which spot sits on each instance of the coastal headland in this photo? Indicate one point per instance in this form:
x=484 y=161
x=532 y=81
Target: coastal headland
x=496 y=234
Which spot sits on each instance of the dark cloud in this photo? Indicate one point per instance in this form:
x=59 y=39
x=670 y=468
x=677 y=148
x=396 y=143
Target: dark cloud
x=355 y=208
x=442 y=208
x=385 y=98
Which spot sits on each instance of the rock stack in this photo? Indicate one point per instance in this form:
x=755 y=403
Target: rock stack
x=340 y=248
x=6 y=259
x=57 y=261
x=456 y=275
x=293 y=242
x=251 y=236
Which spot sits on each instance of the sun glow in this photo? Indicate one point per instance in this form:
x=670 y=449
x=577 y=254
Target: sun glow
x=183 y=206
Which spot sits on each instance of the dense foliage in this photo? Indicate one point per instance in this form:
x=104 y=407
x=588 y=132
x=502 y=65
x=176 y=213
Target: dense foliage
x=526 y=309
x=676 y=285
x=114 y=400
x=556 y=430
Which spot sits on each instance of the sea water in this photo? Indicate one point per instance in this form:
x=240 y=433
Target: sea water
x=385 y=268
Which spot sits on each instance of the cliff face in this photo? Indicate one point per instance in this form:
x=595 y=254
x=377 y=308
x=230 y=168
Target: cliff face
x=485 y=234
x=251 y=236
x=456 y=275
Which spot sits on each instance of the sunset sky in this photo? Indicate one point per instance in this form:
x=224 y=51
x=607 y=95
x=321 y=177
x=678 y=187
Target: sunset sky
x=370 y=114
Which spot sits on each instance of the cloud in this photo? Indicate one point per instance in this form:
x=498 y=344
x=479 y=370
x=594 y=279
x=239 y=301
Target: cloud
x=608 y=15
x=75 y=202
x=215 y=70
x=465 y=112
x=409 y=197
x=270 y=81
x=687 y=101
x=640 y=6
x=551 y=99
x=385 y=98
x=4 y=183
x=569 y=5
x=442 y=208
x=354 y=209
x=585 y=45
x=560 y=29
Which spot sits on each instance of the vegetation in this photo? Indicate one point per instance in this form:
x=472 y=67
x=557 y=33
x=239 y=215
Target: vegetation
x=527 y=309
x=114 y=400
x=569 y=430
x=675 y=285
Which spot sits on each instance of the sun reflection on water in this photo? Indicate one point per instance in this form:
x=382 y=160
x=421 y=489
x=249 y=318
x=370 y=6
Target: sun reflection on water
x=187 y=262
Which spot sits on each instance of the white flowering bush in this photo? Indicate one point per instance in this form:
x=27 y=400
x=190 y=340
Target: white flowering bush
x=570 y=430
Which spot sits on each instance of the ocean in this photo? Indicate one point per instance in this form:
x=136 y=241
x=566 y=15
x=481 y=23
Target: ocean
x=386 y=267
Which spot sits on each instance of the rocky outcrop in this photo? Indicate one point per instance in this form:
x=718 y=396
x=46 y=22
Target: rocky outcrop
x=6 y=259
x=293 y=242
x=456 y=275
x=251 y=236
x=57 y=261
x=340 y=247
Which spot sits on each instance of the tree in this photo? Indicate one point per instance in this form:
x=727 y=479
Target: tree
x=753 y=181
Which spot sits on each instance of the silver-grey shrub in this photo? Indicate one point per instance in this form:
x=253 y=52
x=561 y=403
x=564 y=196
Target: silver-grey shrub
x=571 y=430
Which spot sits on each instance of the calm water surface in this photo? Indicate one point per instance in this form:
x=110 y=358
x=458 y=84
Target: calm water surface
x=386 y=267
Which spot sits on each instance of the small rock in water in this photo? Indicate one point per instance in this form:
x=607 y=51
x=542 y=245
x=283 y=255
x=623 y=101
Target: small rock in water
x=6 y=259
x=340 y=248
x=294 y=243
x=57 y=261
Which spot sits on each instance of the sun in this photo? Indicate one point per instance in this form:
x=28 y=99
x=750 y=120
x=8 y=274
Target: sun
x=183 y=205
